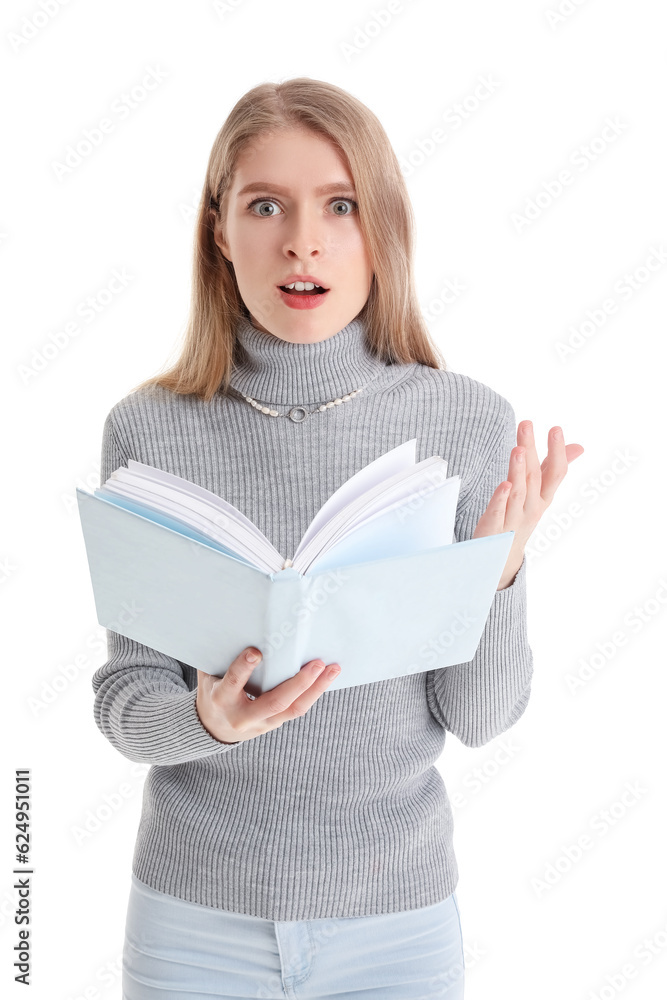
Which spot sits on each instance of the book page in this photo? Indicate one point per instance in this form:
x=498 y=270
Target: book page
x=197 y=507
x=386 y=466
x=152 y=504
x=427 y=475
x=396 y=531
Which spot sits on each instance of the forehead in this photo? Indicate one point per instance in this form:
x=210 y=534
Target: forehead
x=290 y=161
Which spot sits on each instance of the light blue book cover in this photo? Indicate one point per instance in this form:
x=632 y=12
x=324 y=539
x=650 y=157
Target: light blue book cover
x=164 y=585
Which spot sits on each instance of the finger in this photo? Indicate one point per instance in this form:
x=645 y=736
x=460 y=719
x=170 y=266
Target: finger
x=322 y=681
x=304 y=701
x=204 y=679
x=573 y=451
x=236 y=676
x=533 y=470
x=517 y=495
x=492 y=521
x=554 y=466
x=278 y=699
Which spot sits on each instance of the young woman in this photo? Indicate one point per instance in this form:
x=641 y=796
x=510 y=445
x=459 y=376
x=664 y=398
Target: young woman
x=300 y=844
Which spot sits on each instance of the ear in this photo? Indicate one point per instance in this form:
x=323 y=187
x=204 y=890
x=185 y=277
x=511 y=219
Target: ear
x=220 y=240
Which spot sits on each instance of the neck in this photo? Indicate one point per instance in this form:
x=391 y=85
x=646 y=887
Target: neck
x=272 y=370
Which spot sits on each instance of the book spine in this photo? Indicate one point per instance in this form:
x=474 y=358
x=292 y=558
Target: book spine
x=282 y=634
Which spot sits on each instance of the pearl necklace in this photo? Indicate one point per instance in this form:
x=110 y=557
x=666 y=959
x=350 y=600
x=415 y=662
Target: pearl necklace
x=299 y=413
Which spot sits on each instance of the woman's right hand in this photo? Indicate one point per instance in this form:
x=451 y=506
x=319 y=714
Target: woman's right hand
x=230 y=716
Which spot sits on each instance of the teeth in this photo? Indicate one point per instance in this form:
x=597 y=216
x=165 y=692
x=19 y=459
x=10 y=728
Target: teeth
x=301 y=286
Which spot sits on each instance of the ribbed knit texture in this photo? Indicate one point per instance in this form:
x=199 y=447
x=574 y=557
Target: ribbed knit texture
x=340 y=812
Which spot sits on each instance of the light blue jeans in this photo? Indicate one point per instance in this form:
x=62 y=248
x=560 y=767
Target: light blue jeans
x=177 y=950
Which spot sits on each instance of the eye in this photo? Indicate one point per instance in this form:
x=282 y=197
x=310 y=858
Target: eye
x=342 y=201
x=262 y=201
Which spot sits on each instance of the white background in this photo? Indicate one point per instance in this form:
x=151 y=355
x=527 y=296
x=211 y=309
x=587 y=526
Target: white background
x=129 y=206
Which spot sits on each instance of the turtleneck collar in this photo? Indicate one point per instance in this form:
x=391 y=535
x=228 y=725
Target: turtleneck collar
x=272 y=370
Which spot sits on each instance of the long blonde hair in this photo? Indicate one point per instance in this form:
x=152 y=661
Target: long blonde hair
x=395 y=328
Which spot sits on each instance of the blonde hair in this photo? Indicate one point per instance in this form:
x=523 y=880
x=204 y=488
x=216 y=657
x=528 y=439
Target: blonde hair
x=395 y=328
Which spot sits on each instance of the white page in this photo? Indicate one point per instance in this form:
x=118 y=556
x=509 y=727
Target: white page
x=190 y=489
x=199 y=515
x=447 y=504
x=122 y=478
x=394 y=490
x=400 y=458
x=165 y=483
x=191 y=510
x=389 y=479
x=387 y=534
x=392 y=462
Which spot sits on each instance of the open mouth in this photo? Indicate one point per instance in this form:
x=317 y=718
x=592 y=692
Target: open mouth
x=306 y=291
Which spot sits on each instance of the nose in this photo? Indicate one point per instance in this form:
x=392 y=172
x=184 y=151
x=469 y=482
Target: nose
x=304 y=235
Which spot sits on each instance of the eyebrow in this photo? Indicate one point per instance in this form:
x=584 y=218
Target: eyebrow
x=324 y=189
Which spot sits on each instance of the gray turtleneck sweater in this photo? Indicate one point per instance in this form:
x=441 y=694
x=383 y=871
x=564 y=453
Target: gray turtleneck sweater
x=341 y=812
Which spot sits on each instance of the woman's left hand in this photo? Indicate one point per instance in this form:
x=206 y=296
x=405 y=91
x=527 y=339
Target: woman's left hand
x=519 y=502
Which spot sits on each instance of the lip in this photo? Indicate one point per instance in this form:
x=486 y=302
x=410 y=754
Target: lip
x=303 y=277
x=302 y=301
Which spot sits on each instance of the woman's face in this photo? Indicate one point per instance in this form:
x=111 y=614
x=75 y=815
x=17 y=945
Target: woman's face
x=285 y=226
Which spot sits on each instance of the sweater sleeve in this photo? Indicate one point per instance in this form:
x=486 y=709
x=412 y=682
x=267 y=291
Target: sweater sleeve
x=142 y=702
x=477 y=701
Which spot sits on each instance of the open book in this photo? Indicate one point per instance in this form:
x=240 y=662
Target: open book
x=377 y=582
